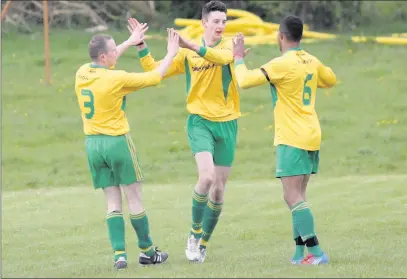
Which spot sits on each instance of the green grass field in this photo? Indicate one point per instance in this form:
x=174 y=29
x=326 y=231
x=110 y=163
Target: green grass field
x=53 y=222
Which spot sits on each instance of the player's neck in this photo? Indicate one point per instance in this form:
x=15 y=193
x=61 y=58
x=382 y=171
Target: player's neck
x=99 y=64
x=287 y=47
x=209 y=40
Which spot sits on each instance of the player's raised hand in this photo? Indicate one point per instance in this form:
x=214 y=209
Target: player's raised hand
x=137 y=31
x=184 y=43
x=238 y=46
x=172 y=50
x=132 y=24
x=173 y=42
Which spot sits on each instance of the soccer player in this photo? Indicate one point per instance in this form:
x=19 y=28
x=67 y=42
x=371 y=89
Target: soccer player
x=112 y=156
x=214 y=107
x=293 y=78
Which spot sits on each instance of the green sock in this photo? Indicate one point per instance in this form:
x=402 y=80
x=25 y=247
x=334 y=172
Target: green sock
x=142 y=228
x=199 y=202
x=299 y=245
x=211 y=217
x=115 y=226
x=304 y=222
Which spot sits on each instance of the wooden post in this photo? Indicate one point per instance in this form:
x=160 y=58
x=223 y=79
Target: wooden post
x=46 y=43
x=5 y=9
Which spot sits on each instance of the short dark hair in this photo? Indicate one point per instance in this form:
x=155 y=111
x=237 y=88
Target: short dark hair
x=213 y=6
x=97 y=45
x=292 y=27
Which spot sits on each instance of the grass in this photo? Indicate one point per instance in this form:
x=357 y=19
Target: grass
x=53 y=221
x=61 y=232
x=363 y=119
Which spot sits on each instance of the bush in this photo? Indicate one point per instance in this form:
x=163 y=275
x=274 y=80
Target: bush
x=334 y=15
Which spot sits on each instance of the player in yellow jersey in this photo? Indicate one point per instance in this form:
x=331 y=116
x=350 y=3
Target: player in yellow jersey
x=101 y=91
x=213 y=104
x=293 y=78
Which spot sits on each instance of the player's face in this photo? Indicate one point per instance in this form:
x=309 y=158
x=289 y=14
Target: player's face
x=215 y=24
x=110 y=57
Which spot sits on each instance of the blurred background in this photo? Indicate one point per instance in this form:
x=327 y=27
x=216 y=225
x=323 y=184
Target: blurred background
x=341 y=16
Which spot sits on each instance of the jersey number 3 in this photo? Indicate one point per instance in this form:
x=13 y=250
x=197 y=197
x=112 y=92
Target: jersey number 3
x=90 y=104
x=306 y=94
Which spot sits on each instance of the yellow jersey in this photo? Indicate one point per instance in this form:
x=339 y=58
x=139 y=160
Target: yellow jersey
x=101 y=94
x=210 y=84
x=294 y=78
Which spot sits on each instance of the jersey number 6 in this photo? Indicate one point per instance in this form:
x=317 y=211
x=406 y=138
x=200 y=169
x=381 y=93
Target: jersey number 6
x=90 y=104
x=306 y=94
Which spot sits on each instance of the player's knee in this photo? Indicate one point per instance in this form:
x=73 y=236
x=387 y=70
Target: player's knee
x=206 y=179
x=113 y=199
x=114 y=211
x=132 y=192
x=287 y=199
x=292 y=198
x=292 y=195
x=114 y=207
x=218 y=191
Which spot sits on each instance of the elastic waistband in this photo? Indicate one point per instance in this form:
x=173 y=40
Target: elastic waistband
x=103 y=136
x=211 y=120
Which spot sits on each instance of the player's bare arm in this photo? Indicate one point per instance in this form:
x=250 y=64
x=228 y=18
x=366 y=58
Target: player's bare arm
x=134 y=24
x=136 y=37
x=136 y=81
x=148 y=62
x=172 y=50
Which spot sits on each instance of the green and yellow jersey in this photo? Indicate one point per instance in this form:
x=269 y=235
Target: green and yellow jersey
x=294 y=78
x=211 y=89
x=101 y=94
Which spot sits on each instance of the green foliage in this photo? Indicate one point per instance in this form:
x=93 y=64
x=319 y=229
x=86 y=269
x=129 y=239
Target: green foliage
x=384 y=11
x=318 y=14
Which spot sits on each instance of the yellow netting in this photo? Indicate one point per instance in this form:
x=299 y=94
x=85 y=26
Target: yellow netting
x=258 y=32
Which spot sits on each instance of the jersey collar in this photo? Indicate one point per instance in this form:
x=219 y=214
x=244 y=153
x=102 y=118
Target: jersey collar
x=294 y=48
x=217 y=43
x=92 y=65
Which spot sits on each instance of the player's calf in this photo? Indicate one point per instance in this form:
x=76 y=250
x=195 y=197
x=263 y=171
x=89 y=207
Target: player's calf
x=114 y=219
x=212 y=211
x=302 y=218
x=299 y=248
x=303 y=222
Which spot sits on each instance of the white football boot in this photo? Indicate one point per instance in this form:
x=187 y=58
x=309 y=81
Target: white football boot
x=192 y=251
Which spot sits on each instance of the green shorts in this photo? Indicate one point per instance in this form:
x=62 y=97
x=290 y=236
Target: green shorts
x=219 y=138
x=293 y=161
x=112 y=160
